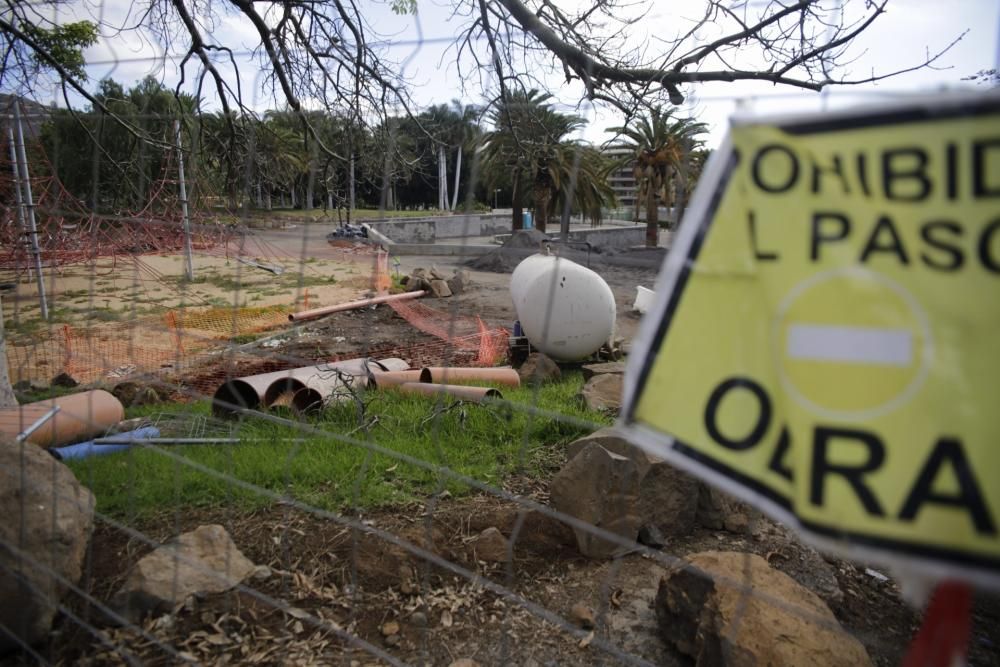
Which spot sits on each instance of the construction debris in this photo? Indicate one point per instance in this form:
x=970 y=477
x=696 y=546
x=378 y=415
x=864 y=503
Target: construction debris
x=436 y=282
x=351 y=305
x=462 y=392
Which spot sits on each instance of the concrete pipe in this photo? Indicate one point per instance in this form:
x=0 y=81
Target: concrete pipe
x=251 y=392
x=443 y=375
x=80 y=417
x=383 y=379
x=295 y=380
x=317 y=390
x=473 y=394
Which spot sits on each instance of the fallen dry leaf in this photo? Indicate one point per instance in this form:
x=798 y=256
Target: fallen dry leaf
x=446 y=619
x=585 y=642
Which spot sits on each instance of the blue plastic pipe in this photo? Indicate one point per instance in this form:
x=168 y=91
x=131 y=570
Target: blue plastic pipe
x=84 y=449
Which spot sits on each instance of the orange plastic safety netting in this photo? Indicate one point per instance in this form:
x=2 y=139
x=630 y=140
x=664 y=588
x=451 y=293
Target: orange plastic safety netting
x=176 y=340
x=463 y=331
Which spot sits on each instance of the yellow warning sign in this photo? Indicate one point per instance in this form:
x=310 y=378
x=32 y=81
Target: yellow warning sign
x=826 y=337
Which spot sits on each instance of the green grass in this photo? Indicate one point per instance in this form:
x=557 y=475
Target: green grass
x=486 y=442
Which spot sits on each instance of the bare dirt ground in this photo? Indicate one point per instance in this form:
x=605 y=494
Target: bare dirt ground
x=334 y=577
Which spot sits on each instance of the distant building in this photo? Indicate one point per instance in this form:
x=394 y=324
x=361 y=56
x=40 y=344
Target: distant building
x=622 y=179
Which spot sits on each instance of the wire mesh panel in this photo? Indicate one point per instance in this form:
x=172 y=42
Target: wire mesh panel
x=278 y=393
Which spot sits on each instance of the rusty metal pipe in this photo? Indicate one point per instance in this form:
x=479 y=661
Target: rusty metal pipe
x=465 y=393
x=351 y=305
x=382 y=379
x=441 y=375
x=80 y=417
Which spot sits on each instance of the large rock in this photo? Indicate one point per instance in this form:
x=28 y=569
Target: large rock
x=733 y=609
x=47 y=522
x=603 y=393
x=668 y=500
x=200 y=562
x=605 y=368
x=720 y=511
x=668 y=497
x=440 y=289
x=458 y=282
x=610 y=438
x=538 y=368
x=489 y=546
x=602 y=489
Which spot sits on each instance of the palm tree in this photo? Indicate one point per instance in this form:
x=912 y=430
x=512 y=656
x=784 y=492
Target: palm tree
x=505 y=156
x=529 y=148
x=279 y=148
x=659 y=145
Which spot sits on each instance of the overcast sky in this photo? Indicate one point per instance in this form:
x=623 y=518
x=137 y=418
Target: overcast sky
x=424 y=44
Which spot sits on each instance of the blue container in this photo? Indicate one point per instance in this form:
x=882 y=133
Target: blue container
x=527 y=220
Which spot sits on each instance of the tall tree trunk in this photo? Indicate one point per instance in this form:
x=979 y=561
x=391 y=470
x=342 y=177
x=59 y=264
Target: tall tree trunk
x=517 y=217
x=295 y=188
x=652 y=215
x=442 y=179
x=307 y=203
x=267 y=197
x=542 y=197
x=458 y=175
x=351 y=181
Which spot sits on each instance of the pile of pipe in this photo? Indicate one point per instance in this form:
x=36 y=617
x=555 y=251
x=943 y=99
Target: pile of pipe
x=312 y=387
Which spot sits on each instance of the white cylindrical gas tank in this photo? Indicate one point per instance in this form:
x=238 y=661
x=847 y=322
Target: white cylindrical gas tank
x=566 y=310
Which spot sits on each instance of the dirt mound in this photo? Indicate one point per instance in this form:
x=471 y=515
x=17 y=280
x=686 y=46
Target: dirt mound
x=526 y=238
x=504 y=259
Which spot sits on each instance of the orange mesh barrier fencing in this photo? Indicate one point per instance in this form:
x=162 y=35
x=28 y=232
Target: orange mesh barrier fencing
x=176 y=340
x=463 y=331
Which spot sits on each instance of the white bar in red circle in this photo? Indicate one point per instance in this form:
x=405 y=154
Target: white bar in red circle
x=852 y=345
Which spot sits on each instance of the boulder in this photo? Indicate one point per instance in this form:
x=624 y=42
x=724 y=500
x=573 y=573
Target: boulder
x=200 y=562
x=436 y=274
x=603 y=393
x=489 y=546
x=538 y=368
x=417 y=284
x=668 y=500
x=602 y=489
x=706 y=611
x=48 y=521
x=440 y=289
x=540 y=533
x=668 y=497
x=611 y=439
x=458 y=282
x=606 y=368
x=720 y=511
